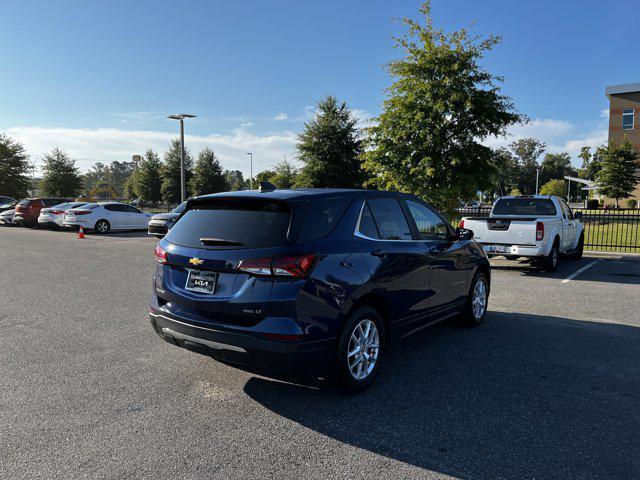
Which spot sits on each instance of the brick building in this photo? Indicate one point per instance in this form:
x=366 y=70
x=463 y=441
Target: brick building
x=624 y=116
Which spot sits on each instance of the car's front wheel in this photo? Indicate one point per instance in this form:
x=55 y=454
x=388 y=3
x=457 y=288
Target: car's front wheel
x=102 y=226
x=360 y=350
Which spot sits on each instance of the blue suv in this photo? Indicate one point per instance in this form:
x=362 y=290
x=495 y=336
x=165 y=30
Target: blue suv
x=312 y=282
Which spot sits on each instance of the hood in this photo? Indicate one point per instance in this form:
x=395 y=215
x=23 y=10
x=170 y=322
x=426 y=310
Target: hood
x=170 y=216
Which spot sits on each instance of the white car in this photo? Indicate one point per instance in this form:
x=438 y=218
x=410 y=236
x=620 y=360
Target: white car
x=540 y=227
x=54 y=216
x=106 y=216
x=6 y=217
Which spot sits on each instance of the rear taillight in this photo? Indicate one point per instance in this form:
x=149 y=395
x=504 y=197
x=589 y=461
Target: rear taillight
x=160 y=254
x=297 y=266
x=57 y=212
x=539 y=231
x=461 y=224
x=82 y=212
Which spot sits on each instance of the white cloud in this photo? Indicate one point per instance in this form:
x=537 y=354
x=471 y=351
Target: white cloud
x=136 y=116
x=363 y=117
x=105 y=145
x=281 y=116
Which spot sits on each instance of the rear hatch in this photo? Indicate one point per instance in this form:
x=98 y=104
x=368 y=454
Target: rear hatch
x=28 y=207
x=219 y=258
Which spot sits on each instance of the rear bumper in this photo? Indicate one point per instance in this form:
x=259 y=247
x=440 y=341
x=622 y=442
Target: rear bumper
x=248 y=350
x=492 y=249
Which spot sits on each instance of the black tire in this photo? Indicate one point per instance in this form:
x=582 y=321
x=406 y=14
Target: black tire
x=511 y=257
x=102 y=226
x=577 y=254
x=469 y=316
x=550 y=262
x=342 y=375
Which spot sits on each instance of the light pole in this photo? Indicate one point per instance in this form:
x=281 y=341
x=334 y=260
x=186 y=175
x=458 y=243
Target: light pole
x=537 y=176
x=183 y=183
x=250 y=171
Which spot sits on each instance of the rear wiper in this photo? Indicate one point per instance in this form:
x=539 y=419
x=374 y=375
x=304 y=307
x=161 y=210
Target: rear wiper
x=220 y=242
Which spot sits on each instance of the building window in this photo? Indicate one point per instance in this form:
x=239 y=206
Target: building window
x=627 y=119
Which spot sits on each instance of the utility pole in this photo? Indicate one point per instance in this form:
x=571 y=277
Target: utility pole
x=183 y=183
x=537 y=176
x=250 y=170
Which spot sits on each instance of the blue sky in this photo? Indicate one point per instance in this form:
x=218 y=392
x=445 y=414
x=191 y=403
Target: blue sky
x=98 y=78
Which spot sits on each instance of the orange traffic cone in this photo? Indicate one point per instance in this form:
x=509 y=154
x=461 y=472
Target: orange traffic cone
x=81 y=232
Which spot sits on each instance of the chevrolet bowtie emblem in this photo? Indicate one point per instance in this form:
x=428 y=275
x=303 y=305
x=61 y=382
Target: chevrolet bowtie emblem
x=196 y=261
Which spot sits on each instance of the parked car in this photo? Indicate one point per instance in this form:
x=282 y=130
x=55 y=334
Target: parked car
x=7 y=203
x=6 y=217
x=539 y=227
x=160 y=223
x=106 y=216
x=300 y=283
x=28 y=210
x=53 y=217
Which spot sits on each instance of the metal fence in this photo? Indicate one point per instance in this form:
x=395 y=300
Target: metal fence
x=605 y=230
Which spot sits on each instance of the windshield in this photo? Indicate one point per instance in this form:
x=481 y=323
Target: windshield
x=180 y=208
x=524 y=206
x=233 y=226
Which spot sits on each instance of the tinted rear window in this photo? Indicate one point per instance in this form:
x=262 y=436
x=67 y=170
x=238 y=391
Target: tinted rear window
x=254 y=225
x=25 y=203
x=322 y=216
x=524 y=206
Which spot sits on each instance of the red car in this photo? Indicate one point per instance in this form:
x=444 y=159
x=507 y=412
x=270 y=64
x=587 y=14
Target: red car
x=27 y=210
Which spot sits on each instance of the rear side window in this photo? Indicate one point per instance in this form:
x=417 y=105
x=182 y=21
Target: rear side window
x=116 y=208
x=389 y=219
x=322 y=216
x=524 y=206
x=233 y=225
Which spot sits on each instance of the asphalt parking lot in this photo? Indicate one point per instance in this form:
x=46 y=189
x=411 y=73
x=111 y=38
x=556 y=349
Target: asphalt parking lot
x=548 y=387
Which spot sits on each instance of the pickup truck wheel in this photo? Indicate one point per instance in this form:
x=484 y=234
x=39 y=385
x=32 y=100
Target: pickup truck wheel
x=577 y=254
x=551 y=261
x=477 y=300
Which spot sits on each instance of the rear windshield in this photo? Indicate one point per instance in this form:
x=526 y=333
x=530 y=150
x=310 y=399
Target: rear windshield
x=233 y=225
x=524 y=206
x=25 y=203
x=179 y=208
x=322 y=216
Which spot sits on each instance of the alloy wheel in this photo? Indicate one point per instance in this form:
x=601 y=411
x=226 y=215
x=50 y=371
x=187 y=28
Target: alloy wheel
x=479 y=299
x=364 y=346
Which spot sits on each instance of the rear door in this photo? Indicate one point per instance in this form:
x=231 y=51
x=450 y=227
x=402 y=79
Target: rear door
x=398 y=262
x=136 y=218
x=117 y=217
x=450 y=265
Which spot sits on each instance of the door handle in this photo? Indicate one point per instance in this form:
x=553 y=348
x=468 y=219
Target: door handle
x=379 y=253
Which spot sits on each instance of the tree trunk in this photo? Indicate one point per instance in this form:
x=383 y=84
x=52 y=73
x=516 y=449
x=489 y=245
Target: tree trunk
x=616 y=203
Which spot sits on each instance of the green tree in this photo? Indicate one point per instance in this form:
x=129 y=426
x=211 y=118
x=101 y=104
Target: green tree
x=236 y=180
x=442 y=105
x=207 y=175
x=507 y=171
x=515 y=192
x=265 y=176
x=554 y=187
x=556 y=166
x=61 y=177
x=130 y=188
x=118 y=172
x=329 y=148
x=618 y=173
x=148 y=181
x=284 y=175
x=171 y=190
x=527 y=151
x=14 y=168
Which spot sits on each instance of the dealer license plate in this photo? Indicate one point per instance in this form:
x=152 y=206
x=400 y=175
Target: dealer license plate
x=201 y=281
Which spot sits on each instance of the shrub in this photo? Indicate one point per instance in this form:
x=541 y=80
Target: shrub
x=632 y=203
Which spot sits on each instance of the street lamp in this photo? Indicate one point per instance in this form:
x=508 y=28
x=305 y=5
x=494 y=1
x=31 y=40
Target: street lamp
x=251 y=171
x=183 y=183
x=537 y=176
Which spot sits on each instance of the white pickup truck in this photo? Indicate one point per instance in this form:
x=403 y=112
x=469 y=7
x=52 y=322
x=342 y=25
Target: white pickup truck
x=538 y=226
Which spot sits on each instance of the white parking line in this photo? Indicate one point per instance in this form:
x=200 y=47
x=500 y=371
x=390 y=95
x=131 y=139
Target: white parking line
x=578 y=272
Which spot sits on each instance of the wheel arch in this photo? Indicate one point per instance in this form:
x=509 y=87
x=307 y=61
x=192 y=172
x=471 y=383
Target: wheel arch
x=375 y=300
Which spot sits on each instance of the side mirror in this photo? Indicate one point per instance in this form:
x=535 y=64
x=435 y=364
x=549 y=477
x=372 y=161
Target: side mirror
x=577 y=215
x=464 y=233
